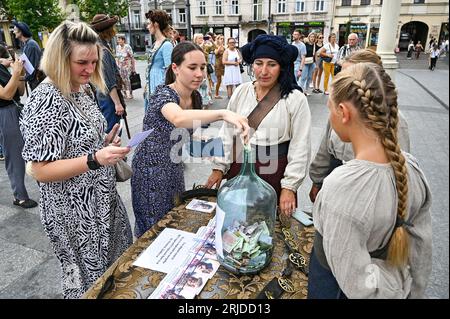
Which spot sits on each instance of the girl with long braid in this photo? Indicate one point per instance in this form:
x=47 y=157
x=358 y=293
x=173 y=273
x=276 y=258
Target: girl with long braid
x=372 y=215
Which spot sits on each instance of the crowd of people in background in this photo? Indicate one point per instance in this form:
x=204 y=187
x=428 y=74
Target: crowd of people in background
x=67 y=134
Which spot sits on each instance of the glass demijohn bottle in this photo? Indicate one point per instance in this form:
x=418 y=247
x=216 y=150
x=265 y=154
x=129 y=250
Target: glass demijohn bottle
x=245 y=220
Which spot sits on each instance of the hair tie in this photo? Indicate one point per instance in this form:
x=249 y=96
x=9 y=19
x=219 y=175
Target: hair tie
x=399 y=222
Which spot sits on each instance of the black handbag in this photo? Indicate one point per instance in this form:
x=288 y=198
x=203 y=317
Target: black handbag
x=209 y=68
x=135 y=80
x=337 y=68
x=241 y=68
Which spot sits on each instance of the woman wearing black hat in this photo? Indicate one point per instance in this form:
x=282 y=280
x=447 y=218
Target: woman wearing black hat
x=110 y=103
x=31 y=49
x=283 y=133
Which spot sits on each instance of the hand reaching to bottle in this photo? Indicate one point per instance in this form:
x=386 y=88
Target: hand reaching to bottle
x=240 y=122
x=215 y=179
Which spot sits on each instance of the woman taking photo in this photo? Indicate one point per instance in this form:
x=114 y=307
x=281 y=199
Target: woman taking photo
x=157 y=168
x=282 y=139
x=70 y=156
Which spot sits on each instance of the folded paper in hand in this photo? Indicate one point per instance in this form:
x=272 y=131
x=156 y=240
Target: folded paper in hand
x=138 y=138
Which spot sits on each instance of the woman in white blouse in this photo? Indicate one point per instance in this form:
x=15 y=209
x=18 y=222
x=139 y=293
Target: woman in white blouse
x=283 y=134
x=329 y=54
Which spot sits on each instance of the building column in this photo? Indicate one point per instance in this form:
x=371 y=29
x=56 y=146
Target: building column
x=8 y=39
x=390 y=13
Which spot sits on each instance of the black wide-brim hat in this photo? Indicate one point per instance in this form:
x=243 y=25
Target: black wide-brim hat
x=102 y=22
x=24 y=28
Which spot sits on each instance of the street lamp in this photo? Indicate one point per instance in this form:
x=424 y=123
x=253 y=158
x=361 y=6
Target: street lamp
x=269 y=19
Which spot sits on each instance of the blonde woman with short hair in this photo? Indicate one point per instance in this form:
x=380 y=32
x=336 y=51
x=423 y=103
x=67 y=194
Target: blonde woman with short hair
x=72 y=158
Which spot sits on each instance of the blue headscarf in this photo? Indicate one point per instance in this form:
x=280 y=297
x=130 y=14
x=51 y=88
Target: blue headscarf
x=276 y=48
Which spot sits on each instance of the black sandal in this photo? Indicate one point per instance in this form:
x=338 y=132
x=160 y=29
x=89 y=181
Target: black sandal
x=26 y=203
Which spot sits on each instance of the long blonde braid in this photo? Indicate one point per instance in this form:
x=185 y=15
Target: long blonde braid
x=373 y=93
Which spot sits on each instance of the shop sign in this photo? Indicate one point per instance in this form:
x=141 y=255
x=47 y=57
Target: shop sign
x=284 y=24
x=310 y=24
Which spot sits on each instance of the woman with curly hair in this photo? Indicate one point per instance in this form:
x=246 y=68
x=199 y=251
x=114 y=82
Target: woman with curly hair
x=159 y=55
x=372 y=215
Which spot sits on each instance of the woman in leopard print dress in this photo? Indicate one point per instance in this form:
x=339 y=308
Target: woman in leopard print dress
x=63 y=129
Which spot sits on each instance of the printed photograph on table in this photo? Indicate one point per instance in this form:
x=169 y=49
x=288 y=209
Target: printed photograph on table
x=201 y=206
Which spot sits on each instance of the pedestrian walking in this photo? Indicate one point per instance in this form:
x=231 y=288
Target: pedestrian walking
x=434 y=56
x=72 y=158
x=410 y=50
x=418 y=49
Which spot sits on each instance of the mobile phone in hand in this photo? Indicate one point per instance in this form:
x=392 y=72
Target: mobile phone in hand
x=12 y=54
x=117 y=132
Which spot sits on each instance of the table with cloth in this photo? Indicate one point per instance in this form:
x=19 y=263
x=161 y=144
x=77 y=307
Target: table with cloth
x=132 y=282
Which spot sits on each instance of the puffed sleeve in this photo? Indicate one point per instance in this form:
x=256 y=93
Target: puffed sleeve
x=163 y=95
x=226 y=134
x=420 y=259
x=167 y=49
x=43 y=126
x=403 y=133
x=300 y=144
x=321 y=163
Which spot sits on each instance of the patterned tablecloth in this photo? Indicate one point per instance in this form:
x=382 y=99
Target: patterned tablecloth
x=134 y=282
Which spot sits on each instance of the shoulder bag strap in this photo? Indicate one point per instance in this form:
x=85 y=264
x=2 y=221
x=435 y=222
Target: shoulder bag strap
x=264 y=107
x=257 y=115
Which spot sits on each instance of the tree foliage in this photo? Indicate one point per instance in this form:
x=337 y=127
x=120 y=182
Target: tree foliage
x=40 y=15
x=89 y=8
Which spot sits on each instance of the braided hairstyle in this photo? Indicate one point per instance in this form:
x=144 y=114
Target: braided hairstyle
x=363 y=55
x=374 y=95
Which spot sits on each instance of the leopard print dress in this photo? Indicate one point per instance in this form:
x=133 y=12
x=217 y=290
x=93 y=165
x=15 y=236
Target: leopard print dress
x=84 y=217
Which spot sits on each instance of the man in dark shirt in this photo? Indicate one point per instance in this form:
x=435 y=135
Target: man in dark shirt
x=30 y=48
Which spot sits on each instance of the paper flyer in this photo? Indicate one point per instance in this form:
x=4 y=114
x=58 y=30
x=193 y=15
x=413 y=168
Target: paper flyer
x=27 y=64
x=167 y=252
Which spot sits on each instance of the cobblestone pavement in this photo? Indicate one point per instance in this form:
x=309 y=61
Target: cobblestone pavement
x=30 y=270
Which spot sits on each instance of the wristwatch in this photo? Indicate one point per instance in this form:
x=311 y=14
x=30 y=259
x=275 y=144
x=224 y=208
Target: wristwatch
x=91 y=162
